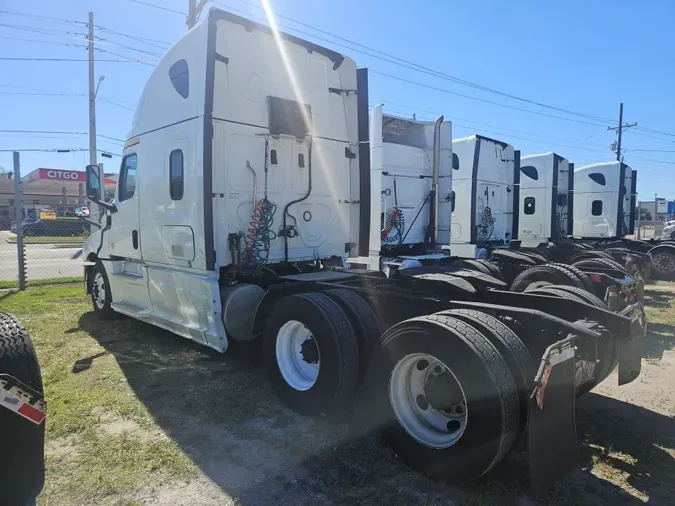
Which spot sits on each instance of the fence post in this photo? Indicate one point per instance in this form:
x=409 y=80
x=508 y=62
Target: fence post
x=18 y=208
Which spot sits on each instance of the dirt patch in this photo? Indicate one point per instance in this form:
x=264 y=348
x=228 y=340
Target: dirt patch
x=140 y=416
x=61 y=447
x=201 y=491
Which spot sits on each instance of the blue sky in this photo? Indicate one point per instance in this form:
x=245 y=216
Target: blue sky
x=577 y=55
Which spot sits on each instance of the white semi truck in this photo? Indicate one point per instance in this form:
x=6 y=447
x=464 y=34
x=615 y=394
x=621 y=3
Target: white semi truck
x=546 y=199
x=604 y=201
x=253 y=204
x=484 y=187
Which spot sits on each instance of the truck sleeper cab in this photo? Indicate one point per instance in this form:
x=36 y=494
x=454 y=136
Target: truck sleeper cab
x=484 y=184
x=604 y=201
x=545 y=209
x=246 y=185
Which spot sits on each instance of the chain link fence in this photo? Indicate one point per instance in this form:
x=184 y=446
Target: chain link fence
x=53 y=234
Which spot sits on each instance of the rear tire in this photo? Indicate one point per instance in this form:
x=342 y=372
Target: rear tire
x=311 y=353
x=663 y=262
x=515 y=353
x=538 y=258
x=440 y=345
x=472 y=265
x=22 y=442
x=544 y=275
x=363 y=320
x=494 y=269
x=601 y=263
x=573 y=291
x=101 y=296
x=585 y=281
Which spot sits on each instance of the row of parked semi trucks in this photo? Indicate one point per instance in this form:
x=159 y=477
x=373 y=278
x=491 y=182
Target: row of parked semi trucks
x=496 y=199
x=374 y=262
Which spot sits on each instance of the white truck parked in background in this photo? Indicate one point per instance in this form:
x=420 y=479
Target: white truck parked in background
x=246 y=186
x=604 y=201
x=484 y=186
x=546 y=199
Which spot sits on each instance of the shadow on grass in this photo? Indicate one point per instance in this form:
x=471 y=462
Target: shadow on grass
x=222 y=412
x=660 y=337
x=659 y=298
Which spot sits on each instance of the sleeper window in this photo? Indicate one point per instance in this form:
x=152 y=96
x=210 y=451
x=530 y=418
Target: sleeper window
x=530 y=172
x=127 y=181
x=176 y=178
x=596 y=208
x=529 y=205
x=598 y=178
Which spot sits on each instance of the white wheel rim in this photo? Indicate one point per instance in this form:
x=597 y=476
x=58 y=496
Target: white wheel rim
x=433 y=420
x=298 y=356
x=538 y=284
x=99 y=290
x=664 y=262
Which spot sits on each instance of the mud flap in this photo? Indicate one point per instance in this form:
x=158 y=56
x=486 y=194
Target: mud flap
x=630 y=352
x=552 y=435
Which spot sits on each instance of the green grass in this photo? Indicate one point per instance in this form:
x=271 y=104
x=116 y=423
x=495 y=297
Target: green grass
x=48 y=239
x=133 y=409
x=43 y=282
x=86 y=462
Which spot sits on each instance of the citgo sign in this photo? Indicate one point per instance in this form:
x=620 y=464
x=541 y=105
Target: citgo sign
x=63 y=174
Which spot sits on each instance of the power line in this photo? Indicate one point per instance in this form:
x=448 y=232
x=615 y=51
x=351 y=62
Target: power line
x=442 y=90
x=106 y=41
x=116 y=103
x=650 y=130
x=53 y=42
x=55 y=94
x=57 y=132
x=56 y=150
x=41 y=132
x=4 y=58
x=42 y=18
x=651 y=160
x=653 y=150
x=420 y=68
x=144 y=40
x=135 y=60
x=158 y=7
x=454 y=118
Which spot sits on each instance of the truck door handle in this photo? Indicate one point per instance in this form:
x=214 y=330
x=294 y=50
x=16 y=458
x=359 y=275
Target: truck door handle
x=134 y=239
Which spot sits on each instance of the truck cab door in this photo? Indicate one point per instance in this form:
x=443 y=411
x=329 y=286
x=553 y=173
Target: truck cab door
x=124 y=233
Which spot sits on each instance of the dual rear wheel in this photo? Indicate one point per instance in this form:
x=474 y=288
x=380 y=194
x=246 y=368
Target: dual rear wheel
x=447 y=390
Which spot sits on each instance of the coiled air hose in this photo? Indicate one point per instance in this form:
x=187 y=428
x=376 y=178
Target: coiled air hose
x=260 y=234
x=395 y=221
x=487 y=225
x=259 y=238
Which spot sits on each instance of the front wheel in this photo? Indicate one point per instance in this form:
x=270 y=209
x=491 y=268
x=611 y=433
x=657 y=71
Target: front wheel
x=101 y=296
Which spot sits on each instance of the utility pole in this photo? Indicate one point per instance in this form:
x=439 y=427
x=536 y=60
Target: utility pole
x=620 y=130
x=18 y=214
x=92 y=94
x=194 y=10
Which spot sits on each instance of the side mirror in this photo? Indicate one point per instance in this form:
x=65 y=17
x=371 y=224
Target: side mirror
x=94 y=188
x=93 y=182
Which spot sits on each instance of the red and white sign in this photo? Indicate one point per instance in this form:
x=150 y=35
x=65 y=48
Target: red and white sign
x=15 y=399
x=61 y=175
